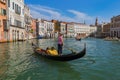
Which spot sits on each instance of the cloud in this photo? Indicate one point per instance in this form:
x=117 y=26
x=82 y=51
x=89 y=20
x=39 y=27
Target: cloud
x=80 y=16
x=38 y=11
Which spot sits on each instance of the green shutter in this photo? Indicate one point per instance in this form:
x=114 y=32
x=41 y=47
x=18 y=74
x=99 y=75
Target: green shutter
x=4 y=12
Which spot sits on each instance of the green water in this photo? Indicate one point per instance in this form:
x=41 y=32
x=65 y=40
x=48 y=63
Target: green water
x=102 y=61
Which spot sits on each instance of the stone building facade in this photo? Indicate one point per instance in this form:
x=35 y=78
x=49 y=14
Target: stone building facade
x=115 y=26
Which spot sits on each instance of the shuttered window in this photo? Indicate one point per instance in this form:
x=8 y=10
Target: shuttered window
x=2 y=12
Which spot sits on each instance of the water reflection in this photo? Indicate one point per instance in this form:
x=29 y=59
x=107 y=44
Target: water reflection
x=12 y=56
x=4 y=48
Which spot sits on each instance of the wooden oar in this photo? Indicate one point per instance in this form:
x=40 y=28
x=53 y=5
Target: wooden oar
x=34 y=45
x=73 y=51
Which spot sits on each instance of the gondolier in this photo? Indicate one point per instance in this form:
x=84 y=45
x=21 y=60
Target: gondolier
x=60 y=43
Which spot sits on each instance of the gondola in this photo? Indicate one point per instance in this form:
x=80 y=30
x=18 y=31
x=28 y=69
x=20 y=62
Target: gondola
x=63 y=57
x=78 y=39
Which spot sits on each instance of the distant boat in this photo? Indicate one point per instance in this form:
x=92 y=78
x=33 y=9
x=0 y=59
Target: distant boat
x=111 y=39
x=40 y=37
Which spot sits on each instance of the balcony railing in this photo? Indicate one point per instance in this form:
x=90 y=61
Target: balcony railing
x=28 y=21
x=18 y=23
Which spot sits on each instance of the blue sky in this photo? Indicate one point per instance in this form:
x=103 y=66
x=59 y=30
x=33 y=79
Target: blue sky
x=75 y=10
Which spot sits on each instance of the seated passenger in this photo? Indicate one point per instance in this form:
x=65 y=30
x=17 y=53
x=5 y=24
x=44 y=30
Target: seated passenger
x=51 y=51
x=48 y=51
x=54 y=51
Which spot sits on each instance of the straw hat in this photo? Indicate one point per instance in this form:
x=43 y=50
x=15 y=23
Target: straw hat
x=60 y=33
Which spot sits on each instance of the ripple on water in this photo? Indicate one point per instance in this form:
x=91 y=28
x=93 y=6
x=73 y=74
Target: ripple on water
x=101 y=62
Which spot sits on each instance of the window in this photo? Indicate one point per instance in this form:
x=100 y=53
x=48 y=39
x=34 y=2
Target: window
x=2 y=12
x=23 y=11
x=5 y=24
x=17 y=9
x=13 y=5
x=8 y=3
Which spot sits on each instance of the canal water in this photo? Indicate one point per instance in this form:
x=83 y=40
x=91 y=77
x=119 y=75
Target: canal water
x=101 y=62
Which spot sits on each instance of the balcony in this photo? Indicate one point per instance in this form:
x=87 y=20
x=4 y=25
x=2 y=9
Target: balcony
x=27 y=20
x=5 y=25
x=18 y=23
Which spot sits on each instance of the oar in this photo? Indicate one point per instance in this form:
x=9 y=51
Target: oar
x=73 y=51
x=34 y=45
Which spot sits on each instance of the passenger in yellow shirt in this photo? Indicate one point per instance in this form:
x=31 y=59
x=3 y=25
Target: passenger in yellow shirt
x=48 y=50
x=52 y=51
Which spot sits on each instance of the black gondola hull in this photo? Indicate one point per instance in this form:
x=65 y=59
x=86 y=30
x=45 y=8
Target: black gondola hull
x=66 y=57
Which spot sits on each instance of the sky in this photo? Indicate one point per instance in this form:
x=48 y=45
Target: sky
x=74 y=10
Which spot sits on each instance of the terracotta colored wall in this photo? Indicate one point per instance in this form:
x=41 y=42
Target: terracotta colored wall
x=34 y=27
x=33 y=24
x=3 y=6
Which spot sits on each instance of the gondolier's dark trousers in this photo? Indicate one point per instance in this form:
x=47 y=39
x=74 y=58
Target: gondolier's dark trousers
x=60 y=48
